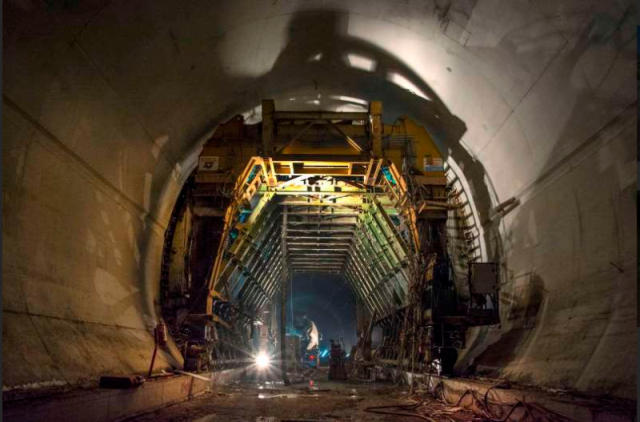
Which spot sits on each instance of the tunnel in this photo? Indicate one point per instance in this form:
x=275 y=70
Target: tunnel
x=109 y=108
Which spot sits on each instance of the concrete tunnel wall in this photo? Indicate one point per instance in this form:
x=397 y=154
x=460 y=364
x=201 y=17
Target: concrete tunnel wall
x=105 y=105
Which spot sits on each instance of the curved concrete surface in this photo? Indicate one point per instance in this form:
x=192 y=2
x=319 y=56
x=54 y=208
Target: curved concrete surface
x=105 y=105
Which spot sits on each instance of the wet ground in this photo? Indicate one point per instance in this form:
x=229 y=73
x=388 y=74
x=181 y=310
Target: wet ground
x=324 y=401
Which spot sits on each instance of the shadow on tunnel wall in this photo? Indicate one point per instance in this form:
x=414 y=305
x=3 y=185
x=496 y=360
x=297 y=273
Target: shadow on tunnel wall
x=524 y=306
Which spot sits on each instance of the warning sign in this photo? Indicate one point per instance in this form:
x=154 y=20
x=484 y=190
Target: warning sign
x=208 y=163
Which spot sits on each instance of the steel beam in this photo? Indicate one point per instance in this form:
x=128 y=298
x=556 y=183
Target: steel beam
x=330 y=244
x=319 y=249
x=311 y=230
x=321 y=223
x=283 y=298
x=319 y=238
x=316 y=272
x=322 y=116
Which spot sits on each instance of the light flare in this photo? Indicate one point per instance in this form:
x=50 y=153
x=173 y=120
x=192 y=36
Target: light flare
x=262 y=361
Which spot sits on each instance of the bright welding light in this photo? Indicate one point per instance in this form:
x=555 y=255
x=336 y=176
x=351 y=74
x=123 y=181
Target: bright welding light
x=262 y=360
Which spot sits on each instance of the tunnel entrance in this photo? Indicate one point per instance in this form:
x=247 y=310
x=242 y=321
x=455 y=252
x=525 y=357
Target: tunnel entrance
x=332 y=193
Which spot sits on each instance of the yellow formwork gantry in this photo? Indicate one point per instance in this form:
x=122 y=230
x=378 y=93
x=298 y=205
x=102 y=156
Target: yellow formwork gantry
x=321 y=163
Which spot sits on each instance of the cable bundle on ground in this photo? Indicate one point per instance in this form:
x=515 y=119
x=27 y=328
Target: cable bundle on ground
x=438 y=408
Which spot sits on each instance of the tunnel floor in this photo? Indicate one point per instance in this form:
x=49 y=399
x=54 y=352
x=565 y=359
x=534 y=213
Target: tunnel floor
x=324 y=401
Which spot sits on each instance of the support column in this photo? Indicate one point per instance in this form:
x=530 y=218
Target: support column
x=375 y=110
x=365 y=322
x=362 y=318
x=283 y=300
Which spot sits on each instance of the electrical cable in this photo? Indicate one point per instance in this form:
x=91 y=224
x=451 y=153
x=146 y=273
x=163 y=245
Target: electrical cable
x=484 y=409
x=380 y=410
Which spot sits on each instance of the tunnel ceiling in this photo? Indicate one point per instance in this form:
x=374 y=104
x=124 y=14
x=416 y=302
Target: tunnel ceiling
x=173 y=71
x=107 y=105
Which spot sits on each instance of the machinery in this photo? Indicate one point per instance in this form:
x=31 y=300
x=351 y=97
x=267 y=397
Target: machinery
x=311 y=358
x=309 y=341
x=320 y=191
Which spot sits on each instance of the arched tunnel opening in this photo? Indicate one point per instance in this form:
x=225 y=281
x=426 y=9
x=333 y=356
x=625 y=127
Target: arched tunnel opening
x=196 y=195
x=395 y=229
